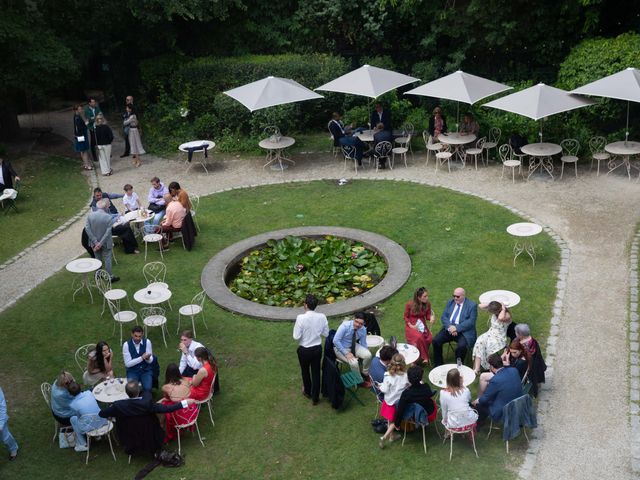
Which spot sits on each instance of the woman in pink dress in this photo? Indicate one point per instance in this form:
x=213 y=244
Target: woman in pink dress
x=417 y=313
x=201 y=381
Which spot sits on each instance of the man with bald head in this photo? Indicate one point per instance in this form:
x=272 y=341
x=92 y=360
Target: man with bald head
x=458 y=325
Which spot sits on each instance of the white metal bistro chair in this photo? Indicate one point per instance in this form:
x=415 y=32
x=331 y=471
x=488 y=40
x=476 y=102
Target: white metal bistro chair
x=493 y=141
x=195 y=204
x=334 y=149
x=180 y=424
x=349 y=152
x=103 y=431
x=444 y=156
x=120 y=317
x=570 y=149
x=596 y=145
x=196 y=307
x=209 y=399
x=45 y=389
x=505 y=152
x=154 y=274
x=476 y=152
x=154 y=317
x=405 y=139
x=470 y=428
x=401 y=151
x=152 y=238
x=103 y=282
x=382 y=151
x=81 y=355
x=431 y=147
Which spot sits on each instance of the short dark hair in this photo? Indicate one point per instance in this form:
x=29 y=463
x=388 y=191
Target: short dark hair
x=74 y=389
x=360 y=316
x=155 y=179
x=137 y=329
x=132 y=388
x=187 y=333
x=495 y=361
x=414 y=375
x=387 y=352
x=311 y=301
x=174 y=186
x=127 y=186
x=97 y=189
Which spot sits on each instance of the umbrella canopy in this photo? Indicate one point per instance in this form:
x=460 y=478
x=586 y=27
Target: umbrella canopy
x=539 y=101
x=368 y=81
x=624 y=85
x=460 y=86
x=271 y=91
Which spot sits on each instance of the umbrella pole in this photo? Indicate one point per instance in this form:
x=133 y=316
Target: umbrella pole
x=540 y=132
x=457 y=115
x=626 y=133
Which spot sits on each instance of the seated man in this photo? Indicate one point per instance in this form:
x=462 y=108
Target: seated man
x=382 y=135
x=189 y=364
x=85 y=415
x=138 y=358
x=342 y=136
x=503 y=387
x=156 y=198
x=469 y=125
x=137 y=423
x=350 y=344
x=458 y=325
x=174 y=216
x=380 y=115
x=7 y=175
x=379 y=363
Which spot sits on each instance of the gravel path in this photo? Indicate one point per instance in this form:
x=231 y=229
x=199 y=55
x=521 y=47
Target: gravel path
x=585 y=405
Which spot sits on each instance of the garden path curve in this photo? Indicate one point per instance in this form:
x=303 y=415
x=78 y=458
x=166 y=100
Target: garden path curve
x=585 y=430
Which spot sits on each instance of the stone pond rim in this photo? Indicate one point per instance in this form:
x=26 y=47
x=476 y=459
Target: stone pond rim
x=215 y=272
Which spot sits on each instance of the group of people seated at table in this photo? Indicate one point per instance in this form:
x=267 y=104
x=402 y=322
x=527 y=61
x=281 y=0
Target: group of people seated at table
x=191 y=381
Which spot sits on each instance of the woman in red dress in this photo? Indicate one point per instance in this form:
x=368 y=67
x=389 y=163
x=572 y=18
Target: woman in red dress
x=201 y=381
x=416 y=314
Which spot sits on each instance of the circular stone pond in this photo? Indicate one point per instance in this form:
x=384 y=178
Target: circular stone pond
x=216 y=273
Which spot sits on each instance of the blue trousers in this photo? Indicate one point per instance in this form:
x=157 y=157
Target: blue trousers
x=145 y=377
x=8 y=440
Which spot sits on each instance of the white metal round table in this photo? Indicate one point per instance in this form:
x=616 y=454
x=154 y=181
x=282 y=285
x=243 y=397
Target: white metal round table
x=275 y=152
x=506 y=297
x=374 y=341
x=205 y=153
x=409 y=352
x=366 y=135
x=541 y=156
x=438 y=376
x=457 y=140
x=152 y=296
x=110 y=391
x=624 y=150
x=523 y=232
x=83 y=266
x=137 y=221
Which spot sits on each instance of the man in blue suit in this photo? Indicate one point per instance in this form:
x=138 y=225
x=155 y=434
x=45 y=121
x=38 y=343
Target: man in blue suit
x=458 y=325
x=380 y=115
x=503 y=387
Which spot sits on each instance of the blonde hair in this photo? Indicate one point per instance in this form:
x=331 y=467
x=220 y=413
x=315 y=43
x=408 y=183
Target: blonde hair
x=454 y=382
x=64 y=379
x=397 y=365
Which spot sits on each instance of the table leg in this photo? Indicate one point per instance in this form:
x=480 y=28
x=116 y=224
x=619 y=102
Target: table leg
x=80 y=283
x=524 y=246
x=534 y=164
x=547 y=164
x=626 y=162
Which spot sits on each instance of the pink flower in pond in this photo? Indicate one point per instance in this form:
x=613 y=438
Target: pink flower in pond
x=300 y=267
x=354 y=255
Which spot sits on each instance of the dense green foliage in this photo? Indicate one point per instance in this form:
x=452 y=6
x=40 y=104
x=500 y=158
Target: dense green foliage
x=285 y=271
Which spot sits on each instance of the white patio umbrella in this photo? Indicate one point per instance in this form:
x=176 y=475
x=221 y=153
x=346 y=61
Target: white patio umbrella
x=624 y=85
x=271 y=91
x=368 y=81
x=461 y=87
x=539 y=101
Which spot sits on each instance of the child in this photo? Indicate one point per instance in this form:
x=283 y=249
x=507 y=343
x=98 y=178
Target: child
x=130 y=199
x=394 y=383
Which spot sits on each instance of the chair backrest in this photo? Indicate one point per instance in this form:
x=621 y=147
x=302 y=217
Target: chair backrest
x=445 y=148
x=494 y=135
x=112 y=307
x=195 y=202
x=272 y=131
x=199 y=298
x=81 y=355
x=596 y=144
x=417 y=414
x=408 y=129
x=349 y=152
x=154 y=272
x=382 y=149
x=461 y=418
x=45 y=389
x=426 y=137
x=152 y=311
x=103 y=281
x=480 y=143
x=505 y=151
x=570 y=147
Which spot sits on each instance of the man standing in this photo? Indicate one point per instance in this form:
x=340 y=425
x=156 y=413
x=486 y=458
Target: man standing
x=309 y=328
x=7 y=175
x=350 y=344
x=5 y=434
x=503 y=387
x=138 y=358
x=125 y=116
x=98 y=228
x=381 y=115
x=90 y=112
x=189 y=365
x=85 y=415
x=458 y=325
x=119 y=227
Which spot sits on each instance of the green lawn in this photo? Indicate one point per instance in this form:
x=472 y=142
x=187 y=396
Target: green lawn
x=52 y=190
x=264 y=427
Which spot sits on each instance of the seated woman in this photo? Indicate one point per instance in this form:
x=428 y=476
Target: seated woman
x=201 y=382
x=175 y=389
x=494 y=339
x=61 y=399
x=469 y=126
x=437 y=124
x=417 y=312
x=392 y=386
x=180 y=195
x=517 y=356
x=99 y=365
x=538 y=366
x=454 y=402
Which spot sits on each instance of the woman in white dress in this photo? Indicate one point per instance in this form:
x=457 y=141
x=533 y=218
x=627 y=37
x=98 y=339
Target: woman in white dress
x=134 y=136
x=454 y=403
x=493 y=340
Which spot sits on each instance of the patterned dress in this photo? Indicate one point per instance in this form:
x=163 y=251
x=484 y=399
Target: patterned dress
x=492 y=341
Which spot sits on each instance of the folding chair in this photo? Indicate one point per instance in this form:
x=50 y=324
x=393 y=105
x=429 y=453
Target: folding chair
x=351 y=380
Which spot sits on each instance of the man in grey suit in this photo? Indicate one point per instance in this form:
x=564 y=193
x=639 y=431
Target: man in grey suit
x=458 y=325
x=98 y=230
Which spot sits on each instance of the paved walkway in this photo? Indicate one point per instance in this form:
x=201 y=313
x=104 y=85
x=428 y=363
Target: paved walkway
x=585 y=425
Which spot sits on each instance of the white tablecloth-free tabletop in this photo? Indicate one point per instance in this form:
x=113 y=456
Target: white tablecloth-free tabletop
x=83 y=265
x=506 y=297
x=409 y=352
x=524 y=229
x=366 y=135
x=110 y=391
x=136 y=216
x=541 y=149
x=152 y=296
x=623 y=148
x=456 y=138
x=375 y=341
x=438 y=376
x=284 y=142
x=196 y=143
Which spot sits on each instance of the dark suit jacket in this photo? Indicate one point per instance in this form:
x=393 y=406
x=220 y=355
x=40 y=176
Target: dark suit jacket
x=133 y=407
x=8 y=173
x=336 y=131
x=386 y=119
x=468 y=316
x=503 y=387
x=432 y=126
x=382 y=136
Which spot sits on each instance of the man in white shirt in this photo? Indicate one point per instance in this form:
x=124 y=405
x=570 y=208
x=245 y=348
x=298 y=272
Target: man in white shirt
x=308 y=330
x=138 y=357
x=189 y=365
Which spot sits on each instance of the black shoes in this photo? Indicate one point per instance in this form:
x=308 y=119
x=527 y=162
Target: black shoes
x=115 y=279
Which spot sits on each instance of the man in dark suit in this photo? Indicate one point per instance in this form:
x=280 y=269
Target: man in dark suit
x=137 y=423
x=458 y=325
x=7 y=175
x=342 y=136
x=380 y=115
x=125 y=116
x=382 y=135
x=503 y=387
